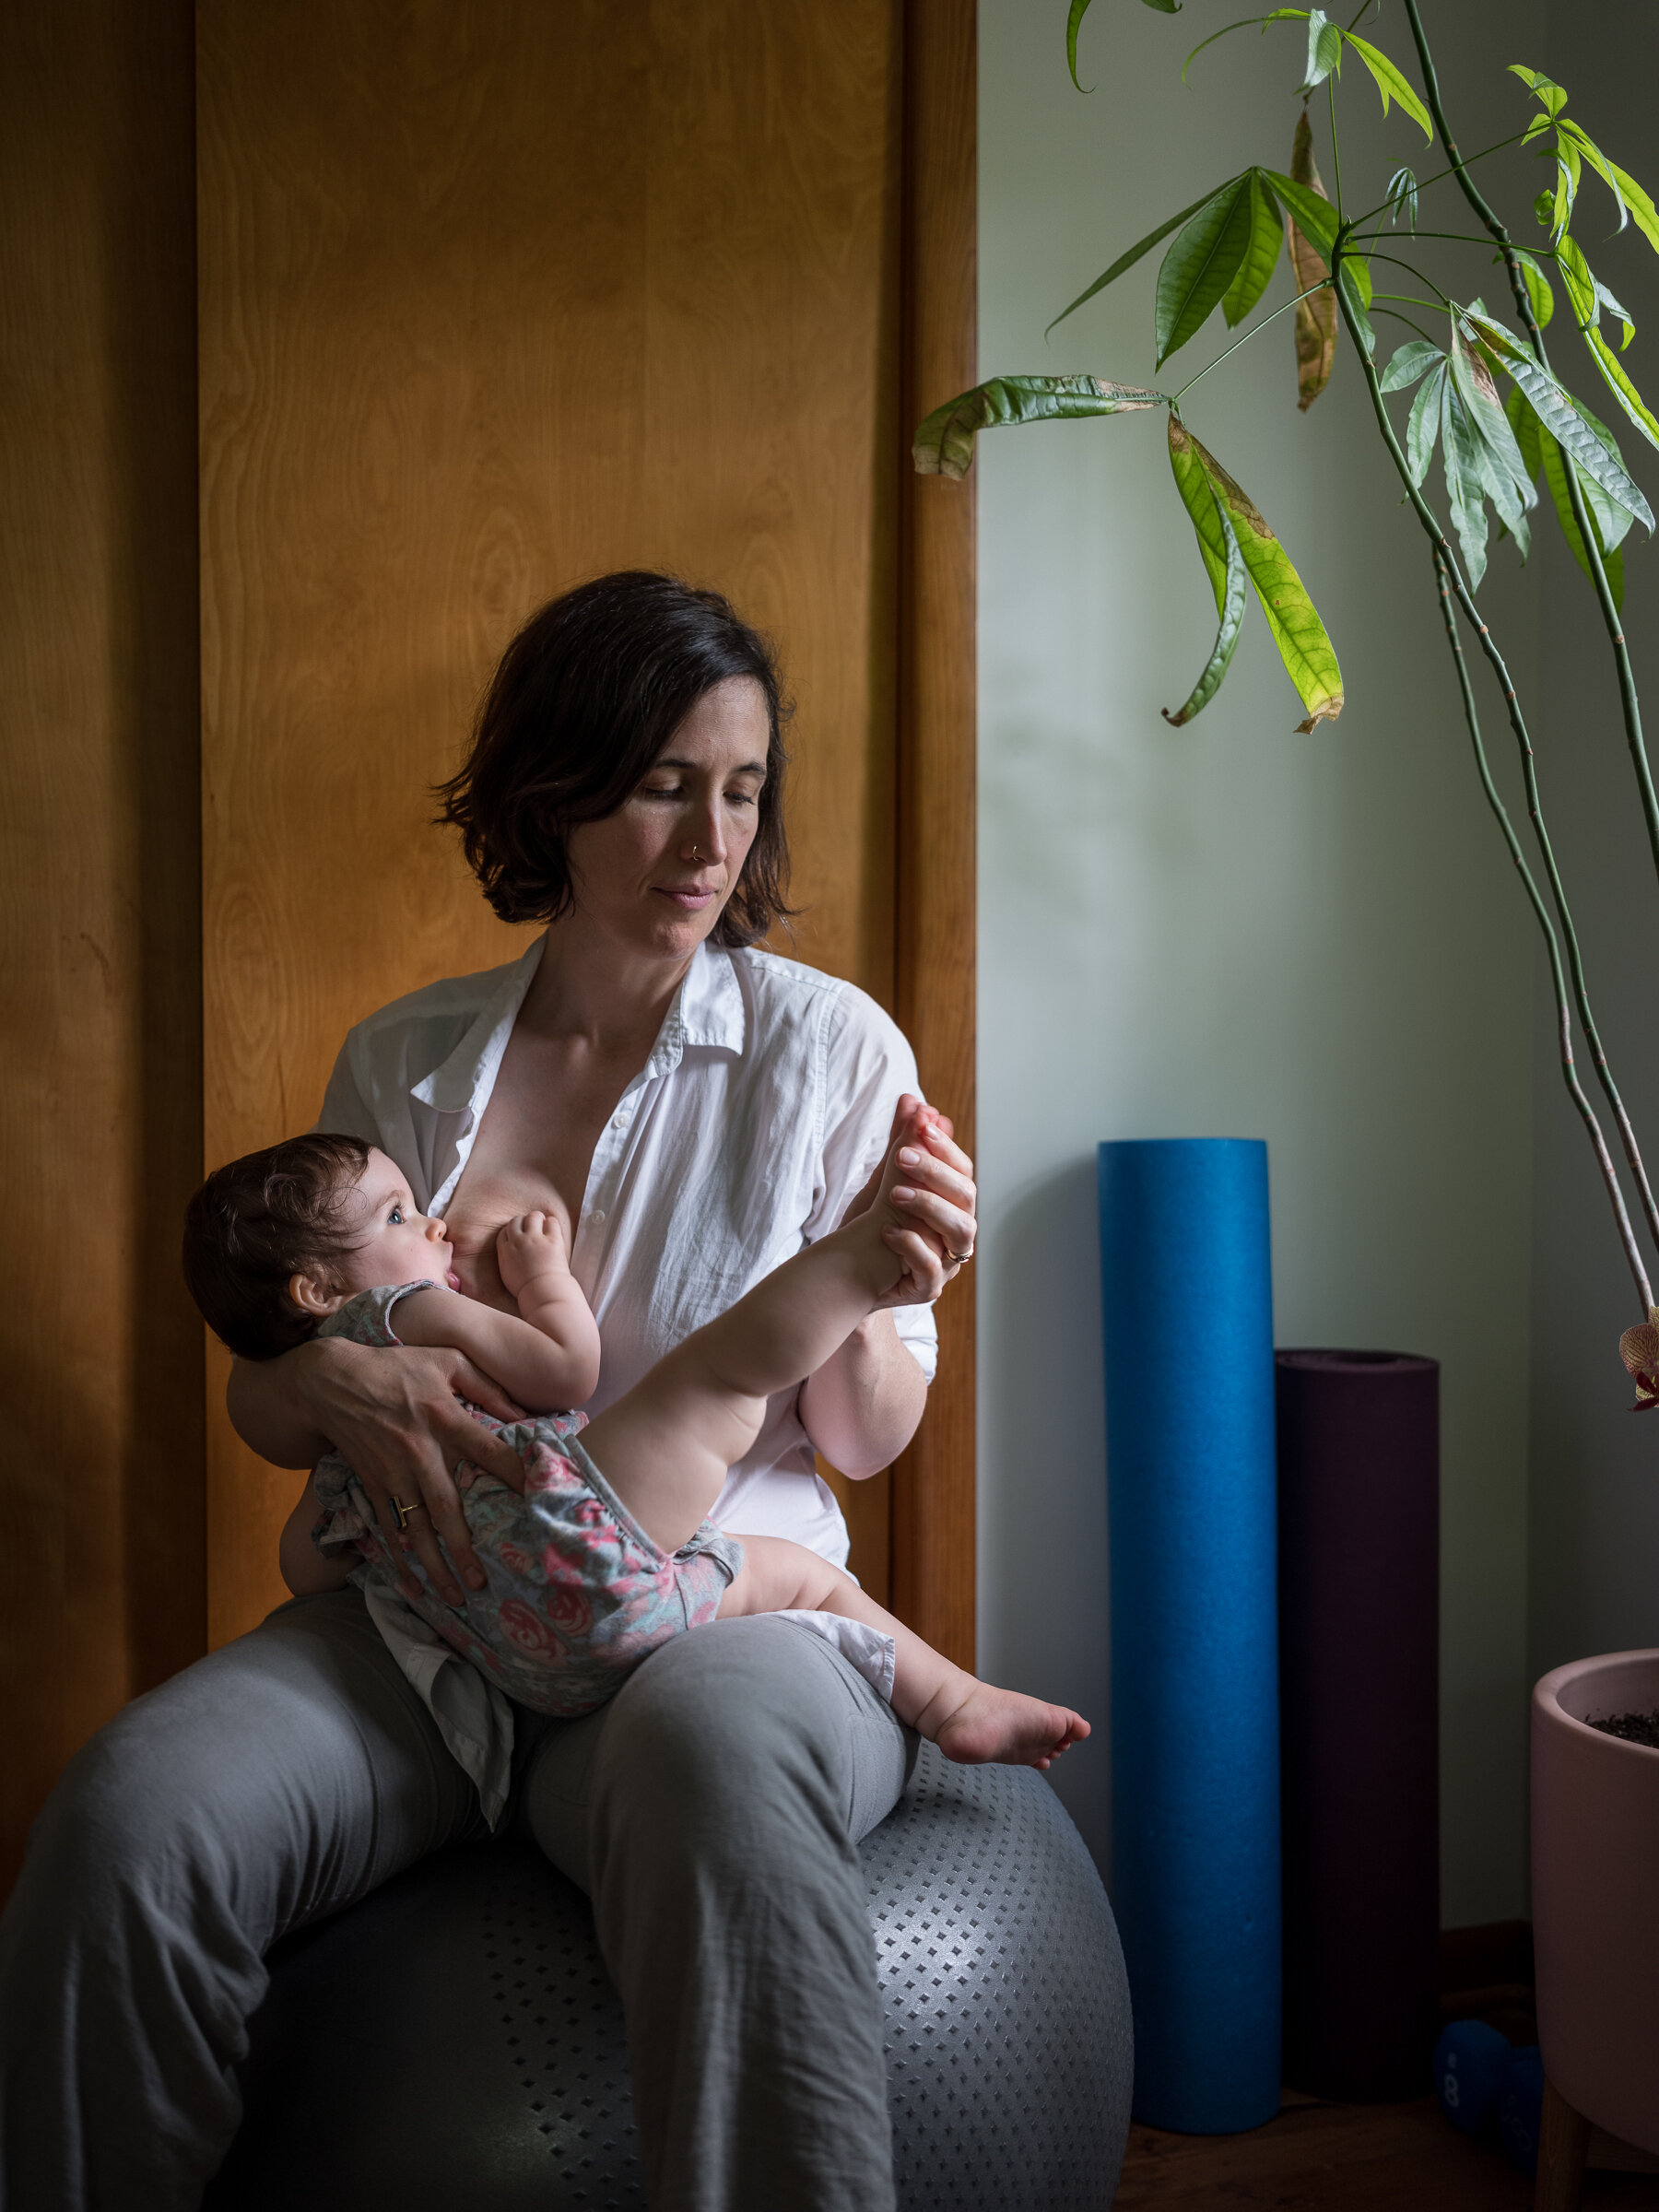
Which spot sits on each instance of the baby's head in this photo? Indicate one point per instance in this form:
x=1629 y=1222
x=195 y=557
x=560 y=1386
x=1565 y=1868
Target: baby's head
x=277 y=1240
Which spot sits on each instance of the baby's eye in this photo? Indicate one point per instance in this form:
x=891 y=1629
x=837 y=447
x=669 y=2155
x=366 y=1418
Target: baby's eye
x=394 y=1218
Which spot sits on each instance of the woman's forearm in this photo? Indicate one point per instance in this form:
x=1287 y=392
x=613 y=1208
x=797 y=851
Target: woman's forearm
x=265 y=1400
x=863 y=1406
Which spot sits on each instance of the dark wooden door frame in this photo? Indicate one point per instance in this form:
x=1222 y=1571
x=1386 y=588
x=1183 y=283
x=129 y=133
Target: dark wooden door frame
x=933 y=1490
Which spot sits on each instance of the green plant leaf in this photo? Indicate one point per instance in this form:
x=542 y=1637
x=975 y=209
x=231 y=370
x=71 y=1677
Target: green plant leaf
x=1525 y=424
x=1412 y=360
x=1145 y=245
x=1478 y=389
x=1354 y=280
x=1402 y=197
x=1610 y=522
x=1424 y=427
x=1261 y=257
x=1548 y=90
x=1604 y=298
x=1317 y=220
x=944 y=444
x=1219 y=548
x=1325 y=49
x=1073 y=23
x=1243 y=23
x=1623 y=389
x=1599 y=163
x=1465 y=488
x=1201 y=265
x=1303 y=645
x=1538 y=286
x=1560 y=416
x=1639 y=203
x=1391 y=83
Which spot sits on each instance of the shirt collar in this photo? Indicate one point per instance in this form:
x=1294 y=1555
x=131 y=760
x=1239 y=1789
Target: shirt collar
x=454 y=1086
x=708 y=1009
x=709 y=1005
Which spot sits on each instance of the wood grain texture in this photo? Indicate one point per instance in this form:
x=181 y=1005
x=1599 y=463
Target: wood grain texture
x=934 y=1493
x=495 y=297
x=101 y=1498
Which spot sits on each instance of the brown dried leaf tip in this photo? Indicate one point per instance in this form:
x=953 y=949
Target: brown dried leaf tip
x=1638 y=1348
x=1315 y=317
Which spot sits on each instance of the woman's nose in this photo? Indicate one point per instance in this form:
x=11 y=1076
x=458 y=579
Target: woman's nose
x=706 y=838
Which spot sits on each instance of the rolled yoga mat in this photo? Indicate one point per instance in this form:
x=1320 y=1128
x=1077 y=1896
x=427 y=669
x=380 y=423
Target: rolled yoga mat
x=1188 y=1311
x=1359 y=1518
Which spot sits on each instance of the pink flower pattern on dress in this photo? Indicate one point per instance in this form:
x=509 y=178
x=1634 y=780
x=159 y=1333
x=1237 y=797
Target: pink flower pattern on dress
x=578 y=1594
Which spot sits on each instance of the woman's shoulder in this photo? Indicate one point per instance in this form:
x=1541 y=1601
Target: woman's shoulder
x=450 y=999
x=787 y=995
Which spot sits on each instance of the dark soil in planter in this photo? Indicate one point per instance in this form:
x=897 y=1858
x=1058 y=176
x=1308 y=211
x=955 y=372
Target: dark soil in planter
x=1631 y=1727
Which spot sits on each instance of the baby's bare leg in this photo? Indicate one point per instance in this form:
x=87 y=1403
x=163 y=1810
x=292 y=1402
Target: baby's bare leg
x=665 y=1447
x=971 y=1721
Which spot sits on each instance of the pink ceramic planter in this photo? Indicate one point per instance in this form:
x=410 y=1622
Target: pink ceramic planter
x=1596 y=1893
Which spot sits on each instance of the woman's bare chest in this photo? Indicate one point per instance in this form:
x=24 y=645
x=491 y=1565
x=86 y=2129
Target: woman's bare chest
x=534 y=1149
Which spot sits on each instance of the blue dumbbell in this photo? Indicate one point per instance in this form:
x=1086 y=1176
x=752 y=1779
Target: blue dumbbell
x=1521 y=2107
x=1470 y=2063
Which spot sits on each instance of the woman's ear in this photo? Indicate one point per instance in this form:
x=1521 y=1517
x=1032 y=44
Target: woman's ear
x=315 y=1295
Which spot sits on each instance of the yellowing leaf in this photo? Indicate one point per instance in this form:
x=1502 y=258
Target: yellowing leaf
x=1303 y=646
x=1218 y=548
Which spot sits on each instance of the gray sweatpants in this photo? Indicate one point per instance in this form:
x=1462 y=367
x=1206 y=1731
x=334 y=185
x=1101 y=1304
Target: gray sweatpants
x=711 y=1810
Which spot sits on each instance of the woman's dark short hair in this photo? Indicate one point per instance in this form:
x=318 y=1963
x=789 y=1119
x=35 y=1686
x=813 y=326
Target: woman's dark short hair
x=260 y=1221
x=585 y=698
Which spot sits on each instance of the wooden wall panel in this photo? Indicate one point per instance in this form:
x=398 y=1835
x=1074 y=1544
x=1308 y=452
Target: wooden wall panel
x=494 y=296
x=100 y=1495
x=934 y=1488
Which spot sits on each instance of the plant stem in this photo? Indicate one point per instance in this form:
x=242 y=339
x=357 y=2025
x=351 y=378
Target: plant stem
x=1603 y=1159
x=1529 y=767
x=1323 y=285
x=1335 y=149
x=1628 y=704
x=1394 y=261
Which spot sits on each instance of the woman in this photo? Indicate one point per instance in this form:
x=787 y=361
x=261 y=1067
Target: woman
x=698 y=1109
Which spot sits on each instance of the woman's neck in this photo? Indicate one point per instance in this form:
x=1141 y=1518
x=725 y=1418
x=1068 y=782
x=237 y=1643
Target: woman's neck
x=588 y=987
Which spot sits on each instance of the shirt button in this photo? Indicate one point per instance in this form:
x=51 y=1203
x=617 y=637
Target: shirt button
x=597 y=1216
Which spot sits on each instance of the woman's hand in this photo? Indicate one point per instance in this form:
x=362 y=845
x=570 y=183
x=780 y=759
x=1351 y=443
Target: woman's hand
x=396 y=1415
x=937 y=1195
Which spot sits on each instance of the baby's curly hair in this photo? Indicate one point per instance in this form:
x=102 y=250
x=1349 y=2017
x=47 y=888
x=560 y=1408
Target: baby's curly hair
x=257 y=1222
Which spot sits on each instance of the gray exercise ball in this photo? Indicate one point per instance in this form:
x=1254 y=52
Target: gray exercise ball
x=454 y=2038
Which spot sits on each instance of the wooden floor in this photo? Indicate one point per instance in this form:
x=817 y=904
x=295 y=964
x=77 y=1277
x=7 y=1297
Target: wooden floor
x=1345 y=2157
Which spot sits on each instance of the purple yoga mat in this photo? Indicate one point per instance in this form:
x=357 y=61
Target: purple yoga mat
x=1358 y=1565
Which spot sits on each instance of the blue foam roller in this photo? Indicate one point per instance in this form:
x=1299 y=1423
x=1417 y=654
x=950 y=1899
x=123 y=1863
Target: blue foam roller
x=1521 y=2107
x=1470 y=2062
x=1188 y=1312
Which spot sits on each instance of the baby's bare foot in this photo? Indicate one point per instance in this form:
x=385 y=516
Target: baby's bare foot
x=1001 y=1725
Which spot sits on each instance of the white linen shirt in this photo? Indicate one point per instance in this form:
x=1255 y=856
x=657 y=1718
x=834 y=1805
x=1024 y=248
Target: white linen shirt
x=762 y=1111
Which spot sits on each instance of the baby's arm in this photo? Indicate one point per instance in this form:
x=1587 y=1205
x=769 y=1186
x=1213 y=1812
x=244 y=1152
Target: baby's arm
x=550 y=1358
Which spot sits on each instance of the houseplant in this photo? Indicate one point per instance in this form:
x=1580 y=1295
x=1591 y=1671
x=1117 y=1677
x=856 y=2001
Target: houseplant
x=1475 y=384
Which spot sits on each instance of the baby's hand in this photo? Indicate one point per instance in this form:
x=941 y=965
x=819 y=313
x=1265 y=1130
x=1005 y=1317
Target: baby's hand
x=530 y=1247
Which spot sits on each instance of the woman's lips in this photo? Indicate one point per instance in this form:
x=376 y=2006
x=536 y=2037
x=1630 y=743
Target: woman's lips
x=690 y=896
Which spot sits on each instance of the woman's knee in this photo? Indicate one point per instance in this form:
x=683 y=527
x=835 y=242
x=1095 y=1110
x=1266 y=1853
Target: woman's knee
x=742 y=1727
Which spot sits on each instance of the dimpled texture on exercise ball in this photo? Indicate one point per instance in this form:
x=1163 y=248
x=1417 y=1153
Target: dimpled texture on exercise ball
x=1470 y=2061
x=454 y=2039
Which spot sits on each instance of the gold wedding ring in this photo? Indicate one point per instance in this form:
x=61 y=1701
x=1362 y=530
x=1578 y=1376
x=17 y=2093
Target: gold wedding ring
x=958 y=1259
x=401 y=1510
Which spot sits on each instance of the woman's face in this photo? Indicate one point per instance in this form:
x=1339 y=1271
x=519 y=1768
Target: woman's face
x=655 y=874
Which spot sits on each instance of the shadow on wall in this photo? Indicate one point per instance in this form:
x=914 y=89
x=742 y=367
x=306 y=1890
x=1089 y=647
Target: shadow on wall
x=1043 y=1534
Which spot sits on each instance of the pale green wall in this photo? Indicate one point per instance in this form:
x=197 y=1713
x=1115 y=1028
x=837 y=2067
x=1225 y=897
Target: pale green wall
x=1232 y=930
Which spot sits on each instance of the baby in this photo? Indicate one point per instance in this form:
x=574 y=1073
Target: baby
x=608 y=1552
